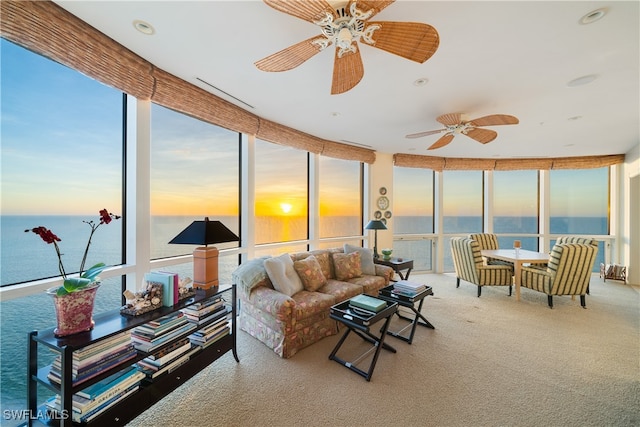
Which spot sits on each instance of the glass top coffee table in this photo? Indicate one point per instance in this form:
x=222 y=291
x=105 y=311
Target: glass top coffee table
x=359 y=322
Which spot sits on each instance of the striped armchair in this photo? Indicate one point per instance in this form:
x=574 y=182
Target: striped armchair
x=568 y=272
x=467 y=261
x=489 y=241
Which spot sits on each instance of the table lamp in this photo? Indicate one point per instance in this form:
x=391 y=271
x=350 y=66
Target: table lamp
x=205 y=258
x=375 y=225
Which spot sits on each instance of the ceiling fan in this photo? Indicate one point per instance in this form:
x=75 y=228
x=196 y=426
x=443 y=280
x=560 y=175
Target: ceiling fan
x=343 y=25
x=473 y=129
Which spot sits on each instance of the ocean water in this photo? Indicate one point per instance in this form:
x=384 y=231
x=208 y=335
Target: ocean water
x=24 y=257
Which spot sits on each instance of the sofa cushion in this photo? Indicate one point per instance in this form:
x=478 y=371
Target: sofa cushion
x=282 y=274
x=309 y=304
x=366 y=258
x=342 y=291
x=310 y=272
x=347 y=266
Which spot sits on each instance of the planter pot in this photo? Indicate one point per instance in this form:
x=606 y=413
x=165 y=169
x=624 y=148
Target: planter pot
x=74 y=311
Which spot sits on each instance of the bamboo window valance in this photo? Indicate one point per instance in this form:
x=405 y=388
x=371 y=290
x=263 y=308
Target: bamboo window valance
x=448 y=163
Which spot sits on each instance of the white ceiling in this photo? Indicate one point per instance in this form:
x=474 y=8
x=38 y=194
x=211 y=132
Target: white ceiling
x=499 y=57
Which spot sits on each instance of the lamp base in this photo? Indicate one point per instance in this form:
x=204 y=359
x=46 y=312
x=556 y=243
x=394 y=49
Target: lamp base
x=205 y=267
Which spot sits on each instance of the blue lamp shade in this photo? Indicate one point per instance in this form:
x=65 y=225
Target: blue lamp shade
x=205 y=259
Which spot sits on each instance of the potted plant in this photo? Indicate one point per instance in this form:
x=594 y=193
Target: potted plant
x=75 y=298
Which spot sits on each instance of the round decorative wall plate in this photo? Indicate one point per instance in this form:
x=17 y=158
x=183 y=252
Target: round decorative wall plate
x=383 y=190
x=383 y=203
x=384 y=221
x=377 y=214
x=387 y=214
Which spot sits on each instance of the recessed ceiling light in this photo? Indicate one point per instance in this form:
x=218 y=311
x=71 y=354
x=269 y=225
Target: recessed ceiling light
x=335 y=114
x=144 y=27
x=593 y=16
x=574 y=118
x=421 y=81
x=581 y=81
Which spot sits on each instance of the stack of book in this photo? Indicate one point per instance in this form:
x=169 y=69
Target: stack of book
x=94 y=359
x=366 y=305
x=217 y=326
x=167 y=359
x=205 y=311
x=408 y=289
x=152 y=335
x=97 y=398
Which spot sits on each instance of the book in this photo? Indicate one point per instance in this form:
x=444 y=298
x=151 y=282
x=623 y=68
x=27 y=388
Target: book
x=166 y=280
x=168 y=349
x=159 y=361
x=83 y=405
x=176 y=285
x=409 y=287
x=149 y=346
x=94 y=390
x=368 y=303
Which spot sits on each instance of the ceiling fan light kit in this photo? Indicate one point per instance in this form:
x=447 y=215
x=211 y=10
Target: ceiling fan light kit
x=344 y=27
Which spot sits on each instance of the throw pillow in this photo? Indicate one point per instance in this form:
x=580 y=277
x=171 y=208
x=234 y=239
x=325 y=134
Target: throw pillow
x=322 y=255
x=347 y=265
x=310 y=273
x=366 y=258
x=282 y=274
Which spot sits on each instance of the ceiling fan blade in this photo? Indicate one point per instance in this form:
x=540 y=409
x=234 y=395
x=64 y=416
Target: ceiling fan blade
x=442 y=141
x=410 y=40
x=482 y=135
x=450 y=119
x=495 y=120
x=347 y=71
x=377 y=6
x=290 y=57
x=309 y=10
x=427 y=133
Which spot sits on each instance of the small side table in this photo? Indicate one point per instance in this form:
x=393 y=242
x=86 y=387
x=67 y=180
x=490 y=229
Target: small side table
x=398 y=264
x=359 y=324
x=386 y=294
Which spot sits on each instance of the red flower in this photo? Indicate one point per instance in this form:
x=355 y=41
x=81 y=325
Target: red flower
x=46 y=234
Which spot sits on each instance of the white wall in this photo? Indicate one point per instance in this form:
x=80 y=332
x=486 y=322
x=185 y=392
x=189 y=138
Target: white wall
x=629 y=234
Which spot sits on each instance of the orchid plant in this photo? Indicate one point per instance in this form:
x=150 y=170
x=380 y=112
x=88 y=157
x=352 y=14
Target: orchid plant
x=73 y=284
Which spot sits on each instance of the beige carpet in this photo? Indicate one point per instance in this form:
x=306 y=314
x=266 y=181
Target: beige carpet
x=491 y=361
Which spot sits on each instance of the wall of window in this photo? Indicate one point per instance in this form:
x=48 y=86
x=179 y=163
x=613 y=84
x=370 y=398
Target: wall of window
x=339 y=197
x=413 y=213
x=62 y=162
x=515 y=208
x=578 y=205
x=281 y=193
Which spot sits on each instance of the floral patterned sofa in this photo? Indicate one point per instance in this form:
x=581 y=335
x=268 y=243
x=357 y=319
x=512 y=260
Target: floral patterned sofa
x=288 y=316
